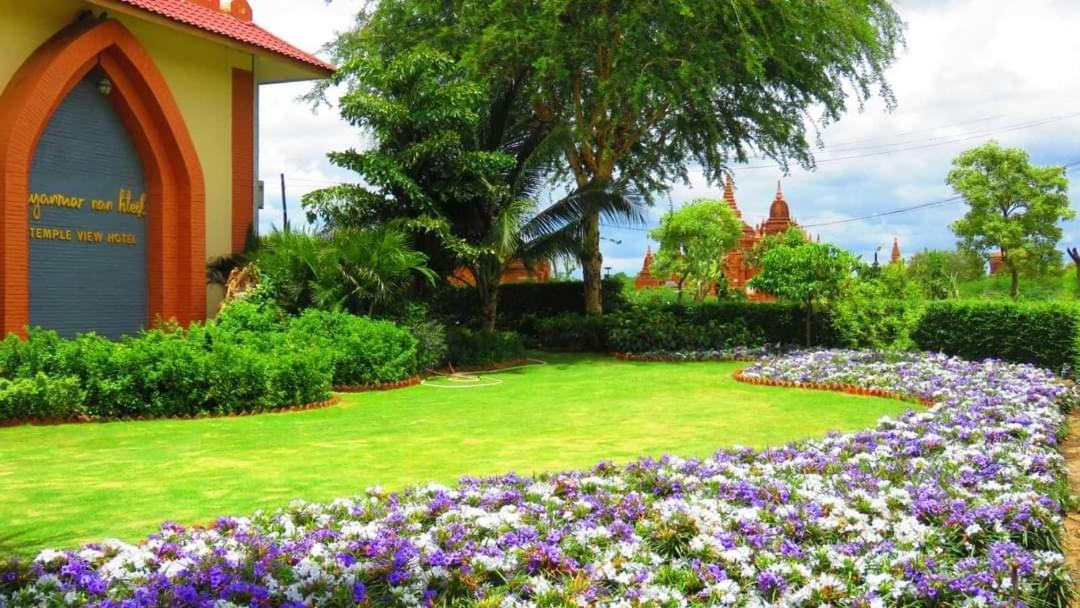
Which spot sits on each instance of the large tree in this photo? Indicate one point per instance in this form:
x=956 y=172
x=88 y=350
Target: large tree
x=453 y=162
x=648 y=88
x=693 y=242
x=1014 y=207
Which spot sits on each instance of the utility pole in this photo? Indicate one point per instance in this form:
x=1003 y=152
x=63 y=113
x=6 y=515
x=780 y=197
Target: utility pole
x=284 y=205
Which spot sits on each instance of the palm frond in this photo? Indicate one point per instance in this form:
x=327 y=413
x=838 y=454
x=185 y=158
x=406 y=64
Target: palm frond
x=621 y=208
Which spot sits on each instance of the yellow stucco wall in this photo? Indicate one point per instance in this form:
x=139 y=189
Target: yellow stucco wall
x=199 y=73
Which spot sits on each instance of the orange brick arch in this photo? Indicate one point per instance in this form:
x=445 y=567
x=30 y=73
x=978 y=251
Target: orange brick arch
x=176 y=232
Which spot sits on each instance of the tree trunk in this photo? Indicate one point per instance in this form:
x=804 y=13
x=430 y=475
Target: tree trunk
x=809 y=323
x=1014 y=286
x=592 y=264
x=489 y=309
x=1075 y=255
x=488 y=292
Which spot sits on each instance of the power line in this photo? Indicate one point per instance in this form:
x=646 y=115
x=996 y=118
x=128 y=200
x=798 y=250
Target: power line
x=932 y=142
x=938 y=203
x=945 y=201
x=1009 y=129
x=856 y=143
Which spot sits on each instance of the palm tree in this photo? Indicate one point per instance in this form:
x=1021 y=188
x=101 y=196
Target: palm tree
x=514 y=229
x=345 y=269
x=367 y=266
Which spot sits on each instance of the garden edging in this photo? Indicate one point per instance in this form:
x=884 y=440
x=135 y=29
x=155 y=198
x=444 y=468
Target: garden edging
x=384 y=386
x=490 y=367
x=850 y=389
x=91 y=420
x=674 y=359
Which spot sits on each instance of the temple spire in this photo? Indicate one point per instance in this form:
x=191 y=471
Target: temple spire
x=729 y=194
x=895 y=257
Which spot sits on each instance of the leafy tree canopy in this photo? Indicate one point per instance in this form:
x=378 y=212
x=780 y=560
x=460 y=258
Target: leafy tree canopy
x=646 y=88
x=807 y=273
x=792 y=237
x=938 y=273
x=1014 y=207
x=454 y=163
x=693 y=242
x=878 y=309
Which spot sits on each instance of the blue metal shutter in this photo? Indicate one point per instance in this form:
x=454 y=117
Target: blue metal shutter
x=79 y=280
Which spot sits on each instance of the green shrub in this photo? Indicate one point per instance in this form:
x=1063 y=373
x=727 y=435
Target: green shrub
x=241 y=318
x=518 y=301
x=161 y=372
x=252 y=358
x=675 y=327
x=483 y=346
x=41 y=351
x=878 y=310
x=430 y=335
x=775 y=322
x=643 y=329
x=39 y=397
x=431 y=346
x=877 y=323
x=1044 y=334
x=92 y=359
x=240 y=380
x=362 y=351
x=300 y=376
x=568 y=332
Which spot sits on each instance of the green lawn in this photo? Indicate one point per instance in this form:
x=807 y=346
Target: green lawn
x=64 y=485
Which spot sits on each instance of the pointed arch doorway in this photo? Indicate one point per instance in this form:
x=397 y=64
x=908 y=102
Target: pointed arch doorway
x=173 y=221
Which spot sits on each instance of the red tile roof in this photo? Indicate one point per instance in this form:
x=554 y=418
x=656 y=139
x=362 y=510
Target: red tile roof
x=223 y=24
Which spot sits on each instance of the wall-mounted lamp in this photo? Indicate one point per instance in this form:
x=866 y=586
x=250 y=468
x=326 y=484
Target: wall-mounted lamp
x=101 y=79
x=104 y=85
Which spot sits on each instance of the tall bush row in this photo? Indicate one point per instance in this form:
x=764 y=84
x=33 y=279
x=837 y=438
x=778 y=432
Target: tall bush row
x=645 y=328
x=1044 y=334
x=518 y=301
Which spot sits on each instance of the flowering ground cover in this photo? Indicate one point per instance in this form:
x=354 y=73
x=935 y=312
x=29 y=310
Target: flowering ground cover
x=66 y=485
x=956 y=506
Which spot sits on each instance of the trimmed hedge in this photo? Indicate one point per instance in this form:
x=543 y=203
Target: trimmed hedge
x=1043 y=334
x=481 y=347
x=650 y=330
x=518 y=301
x=674 y=327
x=775 y=322
x=568 y=332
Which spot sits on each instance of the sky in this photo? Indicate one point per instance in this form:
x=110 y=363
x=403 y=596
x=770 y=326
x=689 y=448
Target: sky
x=973 y=70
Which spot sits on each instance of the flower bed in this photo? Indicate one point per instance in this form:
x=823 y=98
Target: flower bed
x=956 y=506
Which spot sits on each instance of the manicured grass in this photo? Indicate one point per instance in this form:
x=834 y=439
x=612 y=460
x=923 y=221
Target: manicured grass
x=64 y=485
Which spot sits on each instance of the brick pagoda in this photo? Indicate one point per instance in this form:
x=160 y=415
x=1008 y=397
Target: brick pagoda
x=737 y=268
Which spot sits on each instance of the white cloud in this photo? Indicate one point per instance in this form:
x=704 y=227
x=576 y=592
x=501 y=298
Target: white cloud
x=973 y=69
